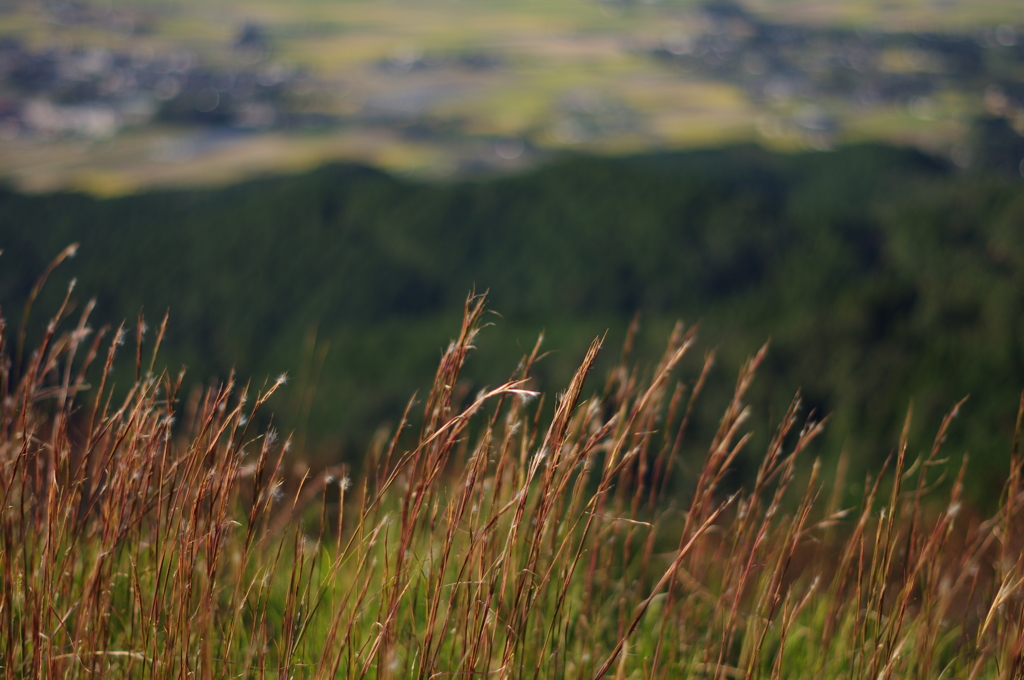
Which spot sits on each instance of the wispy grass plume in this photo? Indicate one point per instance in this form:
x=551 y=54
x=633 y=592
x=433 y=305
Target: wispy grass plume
x=492 y=543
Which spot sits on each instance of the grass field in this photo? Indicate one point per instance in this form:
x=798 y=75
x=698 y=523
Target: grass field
x=146 y=537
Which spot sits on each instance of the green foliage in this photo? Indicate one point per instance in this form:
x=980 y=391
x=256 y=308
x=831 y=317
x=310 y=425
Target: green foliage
x=881 y=275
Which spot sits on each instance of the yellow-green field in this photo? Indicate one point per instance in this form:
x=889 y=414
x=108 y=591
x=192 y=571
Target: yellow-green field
x=551 y=57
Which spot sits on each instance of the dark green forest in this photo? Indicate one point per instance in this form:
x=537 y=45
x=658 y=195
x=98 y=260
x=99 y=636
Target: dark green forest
x=881 y=275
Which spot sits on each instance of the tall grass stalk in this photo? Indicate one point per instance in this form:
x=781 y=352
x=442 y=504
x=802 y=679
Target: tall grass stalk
x=493 y=543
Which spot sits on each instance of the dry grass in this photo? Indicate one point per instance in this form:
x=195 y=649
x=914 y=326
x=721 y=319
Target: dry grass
x=494 y=544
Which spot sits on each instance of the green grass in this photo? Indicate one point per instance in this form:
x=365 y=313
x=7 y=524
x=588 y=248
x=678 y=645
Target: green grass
x=150 y=538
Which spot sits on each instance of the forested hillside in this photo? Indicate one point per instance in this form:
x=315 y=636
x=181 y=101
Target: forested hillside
x=881 y=275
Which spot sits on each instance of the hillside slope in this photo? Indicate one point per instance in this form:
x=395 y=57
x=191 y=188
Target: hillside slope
x=880 y=274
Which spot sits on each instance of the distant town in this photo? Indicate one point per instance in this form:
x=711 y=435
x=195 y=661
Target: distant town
x=805 y=80
x=779 y=63
x=94 y=93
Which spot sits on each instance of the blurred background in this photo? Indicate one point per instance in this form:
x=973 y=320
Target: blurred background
x=112 y=95
x=314 y=186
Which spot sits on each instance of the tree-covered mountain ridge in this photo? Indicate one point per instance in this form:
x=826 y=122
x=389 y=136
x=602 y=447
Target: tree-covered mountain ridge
x=882 y=276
